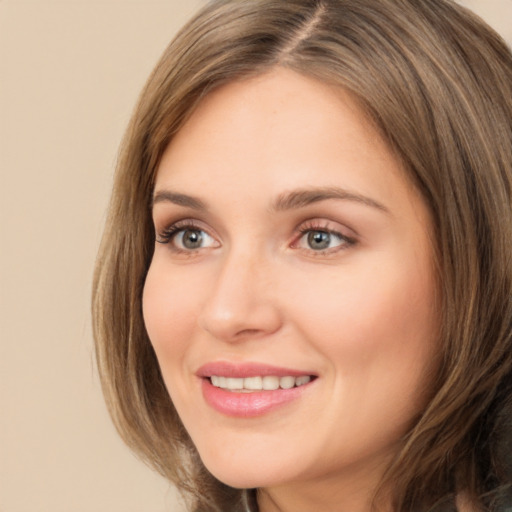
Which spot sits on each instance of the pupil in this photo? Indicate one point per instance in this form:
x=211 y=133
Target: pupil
x=319 y=240
x=192 y=239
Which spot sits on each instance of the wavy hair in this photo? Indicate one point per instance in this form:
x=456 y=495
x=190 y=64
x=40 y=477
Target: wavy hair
x=437 y=82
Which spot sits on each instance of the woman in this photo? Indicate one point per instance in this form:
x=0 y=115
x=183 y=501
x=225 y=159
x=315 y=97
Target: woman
x=303 y=295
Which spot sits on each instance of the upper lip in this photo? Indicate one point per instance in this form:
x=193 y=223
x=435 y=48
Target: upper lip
x=247 y=369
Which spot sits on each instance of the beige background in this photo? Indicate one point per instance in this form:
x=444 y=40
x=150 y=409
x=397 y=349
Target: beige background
x=70 y=74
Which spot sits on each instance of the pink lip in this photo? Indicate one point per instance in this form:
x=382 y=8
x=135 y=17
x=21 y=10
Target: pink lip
x=247 y=405
x=242 y=370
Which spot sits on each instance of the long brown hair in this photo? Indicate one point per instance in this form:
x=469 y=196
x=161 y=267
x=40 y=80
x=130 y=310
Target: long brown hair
x=437 y=82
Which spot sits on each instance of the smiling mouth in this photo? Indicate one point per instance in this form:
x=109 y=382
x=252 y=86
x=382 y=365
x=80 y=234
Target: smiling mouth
x=248 y=390
x=259 y=383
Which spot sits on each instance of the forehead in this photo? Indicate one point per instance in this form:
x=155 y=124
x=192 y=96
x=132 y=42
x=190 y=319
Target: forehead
x=275 y=132
x=281 y=99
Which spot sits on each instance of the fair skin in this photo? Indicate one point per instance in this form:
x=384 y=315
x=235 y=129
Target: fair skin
x=297 y=246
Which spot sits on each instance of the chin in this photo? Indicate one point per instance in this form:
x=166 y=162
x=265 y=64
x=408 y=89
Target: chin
x=247 y=474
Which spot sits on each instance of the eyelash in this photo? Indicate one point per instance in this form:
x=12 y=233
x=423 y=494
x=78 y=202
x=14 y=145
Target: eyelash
x=168 y=234
x=314 y=226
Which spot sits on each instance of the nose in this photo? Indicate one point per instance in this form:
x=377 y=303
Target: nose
x=242 y=302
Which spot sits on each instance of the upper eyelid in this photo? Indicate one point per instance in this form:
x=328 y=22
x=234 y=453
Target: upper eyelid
x=181 y=224
x=325 y=224
x=312 y=223
x=185 y=207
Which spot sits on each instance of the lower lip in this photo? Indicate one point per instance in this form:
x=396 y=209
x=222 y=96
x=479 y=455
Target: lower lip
x=248 y=405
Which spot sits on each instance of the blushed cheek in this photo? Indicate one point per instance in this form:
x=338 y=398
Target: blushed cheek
x=362 y=315
x=164 y=315
x=154 y=310
x=165 y=327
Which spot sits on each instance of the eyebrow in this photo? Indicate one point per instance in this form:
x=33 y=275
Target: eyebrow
x=292 y=200
x=178 y=199
x=304 y=197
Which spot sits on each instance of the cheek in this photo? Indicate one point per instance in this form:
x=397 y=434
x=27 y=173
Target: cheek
x=376 y=321
x=169 y=307
x=170 y=310
x=366 y=300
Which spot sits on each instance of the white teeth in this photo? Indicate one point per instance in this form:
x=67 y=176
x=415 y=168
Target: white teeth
x=253 y=383
x=235 y=383
x=267 y=383
x=300 y=381
x=286 y=382
x=270 y=383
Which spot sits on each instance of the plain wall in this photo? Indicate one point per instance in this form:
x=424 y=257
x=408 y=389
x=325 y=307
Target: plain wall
x=70 y=72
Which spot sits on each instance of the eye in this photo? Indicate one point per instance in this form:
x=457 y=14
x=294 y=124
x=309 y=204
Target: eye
x=192 y=239
x=322 y=239
x=188 y=237
x=318 y=240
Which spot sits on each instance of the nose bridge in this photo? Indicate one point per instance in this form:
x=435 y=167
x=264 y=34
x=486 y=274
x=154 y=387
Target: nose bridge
x=241 y=302
x=238 y=275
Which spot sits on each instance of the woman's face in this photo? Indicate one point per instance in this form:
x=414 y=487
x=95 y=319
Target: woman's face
x=291 y=253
